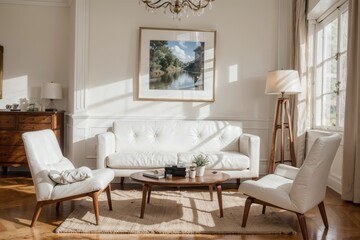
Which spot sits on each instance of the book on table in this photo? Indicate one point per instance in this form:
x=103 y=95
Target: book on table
x=156 y=174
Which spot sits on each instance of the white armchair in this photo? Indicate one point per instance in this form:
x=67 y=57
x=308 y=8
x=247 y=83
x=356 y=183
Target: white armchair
x=44 y=154
x=293 y=189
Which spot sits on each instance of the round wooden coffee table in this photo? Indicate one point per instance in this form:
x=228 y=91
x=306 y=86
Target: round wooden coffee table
x=211 y=179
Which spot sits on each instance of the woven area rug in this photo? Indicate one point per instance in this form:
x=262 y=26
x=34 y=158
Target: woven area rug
x=178 y=211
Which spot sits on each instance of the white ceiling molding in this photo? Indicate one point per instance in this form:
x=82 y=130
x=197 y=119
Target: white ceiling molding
x=52 y=3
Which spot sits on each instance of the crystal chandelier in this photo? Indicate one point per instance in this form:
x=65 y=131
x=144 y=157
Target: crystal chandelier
x=177 y=6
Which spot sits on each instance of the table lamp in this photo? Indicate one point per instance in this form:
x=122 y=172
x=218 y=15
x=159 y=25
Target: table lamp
x=282 y=82
x=51 y=90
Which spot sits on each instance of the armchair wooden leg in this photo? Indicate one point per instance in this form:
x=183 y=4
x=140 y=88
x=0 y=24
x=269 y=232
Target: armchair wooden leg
x=323 y=214
x=108 y=194
x=36 y=213
x=95 y=196
x=248 y=203
x=58 y=206
x=302 y=222
x=238 y=182
x=122 y=179
x=263 y=209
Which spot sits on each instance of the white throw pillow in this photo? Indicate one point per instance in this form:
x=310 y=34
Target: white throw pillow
x=70 y=176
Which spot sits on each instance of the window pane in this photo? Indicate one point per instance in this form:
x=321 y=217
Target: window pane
x=343 y=71
x=329 y=110
x=344 y=31
x=319 y=55
x=330 y=39
x=318 y=82
x=330 y=76
x=342 y=96
x=318 y=112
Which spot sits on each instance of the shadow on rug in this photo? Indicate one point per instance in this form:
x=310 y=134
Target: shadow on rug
x=182 y=212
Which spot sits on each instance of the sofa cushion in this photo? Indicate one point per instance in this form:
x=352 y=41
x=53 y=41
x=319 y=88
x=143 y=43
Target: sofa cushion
x=141 y=159
x=224 y=160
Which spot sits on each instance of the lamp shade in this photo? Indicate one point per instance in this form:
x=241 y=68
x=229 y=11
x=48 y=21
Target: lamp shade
x=283 y=81
x=51 y=90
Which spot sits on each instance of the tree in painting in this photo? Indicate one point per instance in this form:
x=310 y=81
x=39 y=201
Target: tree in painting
x=176 y=65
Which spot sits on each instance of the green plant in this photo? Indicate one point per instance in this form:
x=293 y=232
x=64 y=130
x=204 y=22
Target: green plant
x=200 y=160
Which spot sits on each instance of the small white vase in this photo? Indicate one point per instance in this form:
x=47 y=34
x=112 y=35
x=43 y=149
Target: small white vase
x=192 y=173
x=200 y=171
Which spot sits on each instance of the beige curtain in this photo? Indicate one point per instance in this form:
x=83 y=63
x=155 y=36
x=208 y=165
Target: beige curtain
x=351 y=164
x=299 y=103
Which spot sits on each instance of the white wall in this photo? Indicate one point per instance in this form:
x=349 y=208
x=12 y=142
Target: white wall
x=94 y=45
x=36 y=50
x=247 y=47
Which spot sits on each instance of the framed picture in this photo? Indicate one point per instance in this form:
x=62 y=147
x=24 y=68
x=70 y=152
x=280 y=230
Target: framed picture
x=176 y=65
x=1 y=69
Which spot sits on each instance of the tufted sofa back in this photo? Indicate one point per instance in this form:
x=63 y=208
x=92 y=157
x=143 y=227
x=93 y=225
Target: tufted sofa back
x=177 y=136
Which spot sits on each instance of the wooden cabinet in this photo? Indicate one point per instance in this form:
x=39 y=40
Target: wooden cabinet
x=14 y=124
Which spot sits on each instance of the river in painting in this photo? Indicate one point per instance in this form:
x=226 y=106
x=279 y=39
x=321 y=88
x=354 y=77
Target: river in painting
x=180 y=80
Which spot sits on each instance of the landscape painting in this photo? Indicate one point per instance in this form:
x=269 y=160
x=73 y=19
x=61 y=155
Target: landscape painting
x=176 y=65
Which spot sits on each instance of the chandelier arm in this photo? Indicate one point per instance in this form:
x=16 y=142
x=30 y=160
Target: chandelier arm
x=156 y=5
x=176 y=6
x=194 y=6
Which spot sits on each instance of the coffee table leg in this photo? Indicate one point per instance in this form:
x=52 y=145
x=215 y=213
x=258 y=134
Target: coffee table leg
x=211 y=188
x=149 y=193
x=219 y=194
x=143 y=203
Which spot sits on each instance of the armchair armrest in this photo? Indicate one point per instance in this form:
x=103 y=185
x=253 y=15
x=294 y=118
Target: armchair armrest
x=286 y=171
x=105 y=146
x=250 y=146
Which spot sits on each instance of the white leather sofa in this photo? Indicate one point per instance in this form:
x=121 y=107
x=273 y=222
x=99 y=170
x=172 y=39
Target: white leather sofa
x=133 y=146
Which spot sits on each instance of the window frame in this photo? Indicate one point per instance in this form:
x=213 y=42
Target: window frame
x=321 y=22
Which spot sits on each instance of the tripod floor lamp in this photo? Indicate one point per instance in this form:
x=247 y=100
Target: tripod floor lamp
x=282 y=82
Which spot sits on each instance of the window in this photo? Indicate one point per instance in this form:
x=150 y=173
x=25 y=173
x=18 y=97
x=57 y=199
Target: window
x=330 y=70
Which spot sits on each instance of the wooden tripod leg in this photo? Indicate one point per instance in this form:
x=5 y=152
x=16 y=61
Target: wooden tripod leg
x=291 y=138
x=274 y=138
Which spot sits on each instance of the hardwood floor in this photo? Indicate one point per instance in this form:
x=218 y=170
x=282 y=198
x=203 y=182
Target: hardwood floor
x=17 y=204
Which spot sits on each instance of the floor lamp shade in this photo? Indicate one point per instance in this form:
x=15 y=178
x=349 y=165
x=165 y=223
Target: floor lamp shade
x=283 y=81
x=51 y=90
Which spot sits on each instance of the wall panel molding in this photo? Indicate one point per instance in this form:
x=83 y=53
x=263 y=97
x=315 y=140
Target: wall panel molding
x=81 y=67
x=334 y=182
x=51 y=3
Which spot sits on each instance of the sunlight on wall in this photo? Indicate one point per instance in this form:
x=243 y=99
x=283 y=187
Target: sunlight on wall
x=109 y=93
x=233 y=73
x=15 y=90
x=204 y=109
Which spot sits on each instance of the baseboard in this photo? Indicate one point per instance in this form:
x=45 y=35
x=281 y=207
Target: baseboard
x=334 y=182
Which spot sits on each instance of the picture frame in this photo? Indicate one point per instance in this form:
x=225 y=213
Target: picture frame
x=176 y=65
x=1 y=70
